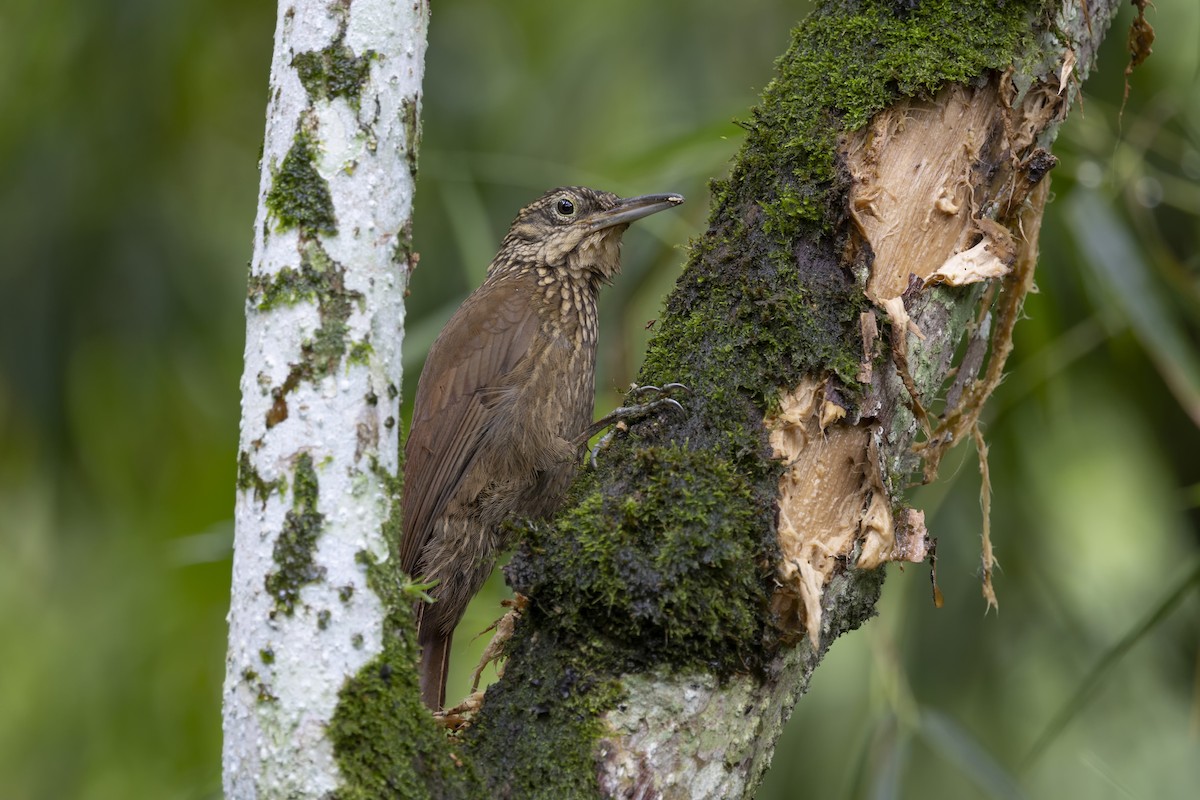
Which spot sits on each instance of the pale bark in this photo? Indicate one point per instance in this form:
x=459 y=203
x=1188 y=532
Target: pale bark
x=320 y=401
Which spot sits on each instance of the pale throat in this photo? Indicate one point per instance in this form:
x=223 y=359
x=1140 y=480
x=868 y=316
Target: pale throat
x=598 y=255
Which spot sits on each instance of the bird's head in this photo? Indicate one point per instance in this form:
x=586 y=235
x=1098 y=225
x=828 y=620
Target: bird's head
x=579 y=228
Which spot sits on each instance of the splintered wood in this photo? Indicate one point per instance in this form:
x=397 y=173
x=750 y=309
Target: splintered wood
x=831 y=501
x=822 y=499
x=912 y=196
x=947 y=191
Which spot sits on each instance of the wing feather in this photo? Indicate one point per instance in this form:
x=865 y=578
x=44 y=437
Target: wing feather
x=485 y=341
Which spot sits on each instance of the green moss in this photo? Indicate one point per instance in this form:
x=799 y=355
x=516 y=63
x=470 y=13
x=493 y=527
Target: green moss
x=299 y=197
x=261 y=692
x=248 y=479
x=296 y=543
x=393 y=526
x=335 y=304
x=360 y=353
x=664 y=563
x=662 y=560
x=537 y=740
x=386 y=743
x=319 y=279
x=334 y=71
x=412 y=133
x=847 y=62
x=403 y=254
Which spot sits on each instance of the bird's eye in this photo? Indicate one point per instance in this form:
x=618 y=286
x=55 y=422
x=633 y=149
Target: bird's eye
x=565 y=207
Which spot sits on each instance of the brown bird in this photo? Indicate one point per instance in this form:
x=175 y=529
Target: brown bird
x=504 y=401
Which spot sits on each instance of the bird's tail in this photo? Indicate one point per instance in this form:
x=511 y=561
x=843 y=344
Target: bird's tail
x=435 y=664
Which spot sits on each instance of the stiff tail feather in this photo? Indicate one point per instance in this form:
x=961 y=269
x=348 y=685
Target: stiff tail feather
x=435 y=664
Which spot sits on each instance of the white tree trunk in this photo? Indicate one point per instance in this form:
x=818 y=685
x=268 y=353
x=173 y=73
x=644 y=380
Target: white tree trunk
x=320 y=391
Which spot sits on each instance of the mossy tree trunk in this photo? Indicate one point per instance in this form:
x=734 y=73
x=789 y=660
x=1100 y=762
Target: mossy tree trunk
x=882 y=216
x=319 y=447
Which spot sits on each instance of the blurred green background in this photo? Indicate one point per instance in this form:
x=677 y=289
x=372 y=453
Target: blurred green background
x=128 y=149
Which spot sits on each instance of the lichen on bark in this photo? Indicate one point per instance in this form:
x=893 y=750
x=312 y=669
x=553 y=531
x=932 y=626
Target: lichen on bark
x=321 y=279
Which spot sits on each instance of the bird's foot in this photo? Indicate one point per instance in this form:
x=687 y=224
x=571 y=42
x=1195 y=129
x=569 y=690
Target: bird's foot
x=618 y=418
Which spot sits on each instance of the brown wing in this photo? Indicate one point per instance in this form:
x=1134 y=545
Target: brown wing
x=485 y=341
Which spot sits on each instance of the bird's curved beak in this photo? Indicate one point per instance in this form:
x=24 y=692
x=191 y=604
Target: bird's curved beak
x=629 y=209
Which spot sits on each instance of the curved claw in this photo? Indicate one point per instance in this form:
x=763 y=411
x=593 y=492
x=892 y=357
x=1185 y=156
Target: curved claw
x=637 y=391
x=601 y=444
x=669 y=402
x=667 y=388
x=616 y=419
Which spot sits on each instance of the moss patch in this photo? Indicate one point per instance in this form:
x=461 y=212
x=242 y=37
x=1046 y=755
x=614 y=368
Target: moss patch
x=386 y=743
x=248 y=479
x=299 y=197
x=333 y=71
x=660 y=562
x=537 y=743
x=412 y=132
x=848 y=61
x=297 y=541
x=360 y=353
x=322 y=279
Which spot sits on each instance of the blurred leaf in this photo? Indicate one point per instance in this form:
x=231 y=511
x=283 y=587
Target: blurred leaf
x=419 y=336
x=959 y=747
x=1107 y=662
x=896 y=745
x=1109 y=251
x=474 y=232
x=1192 y=496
